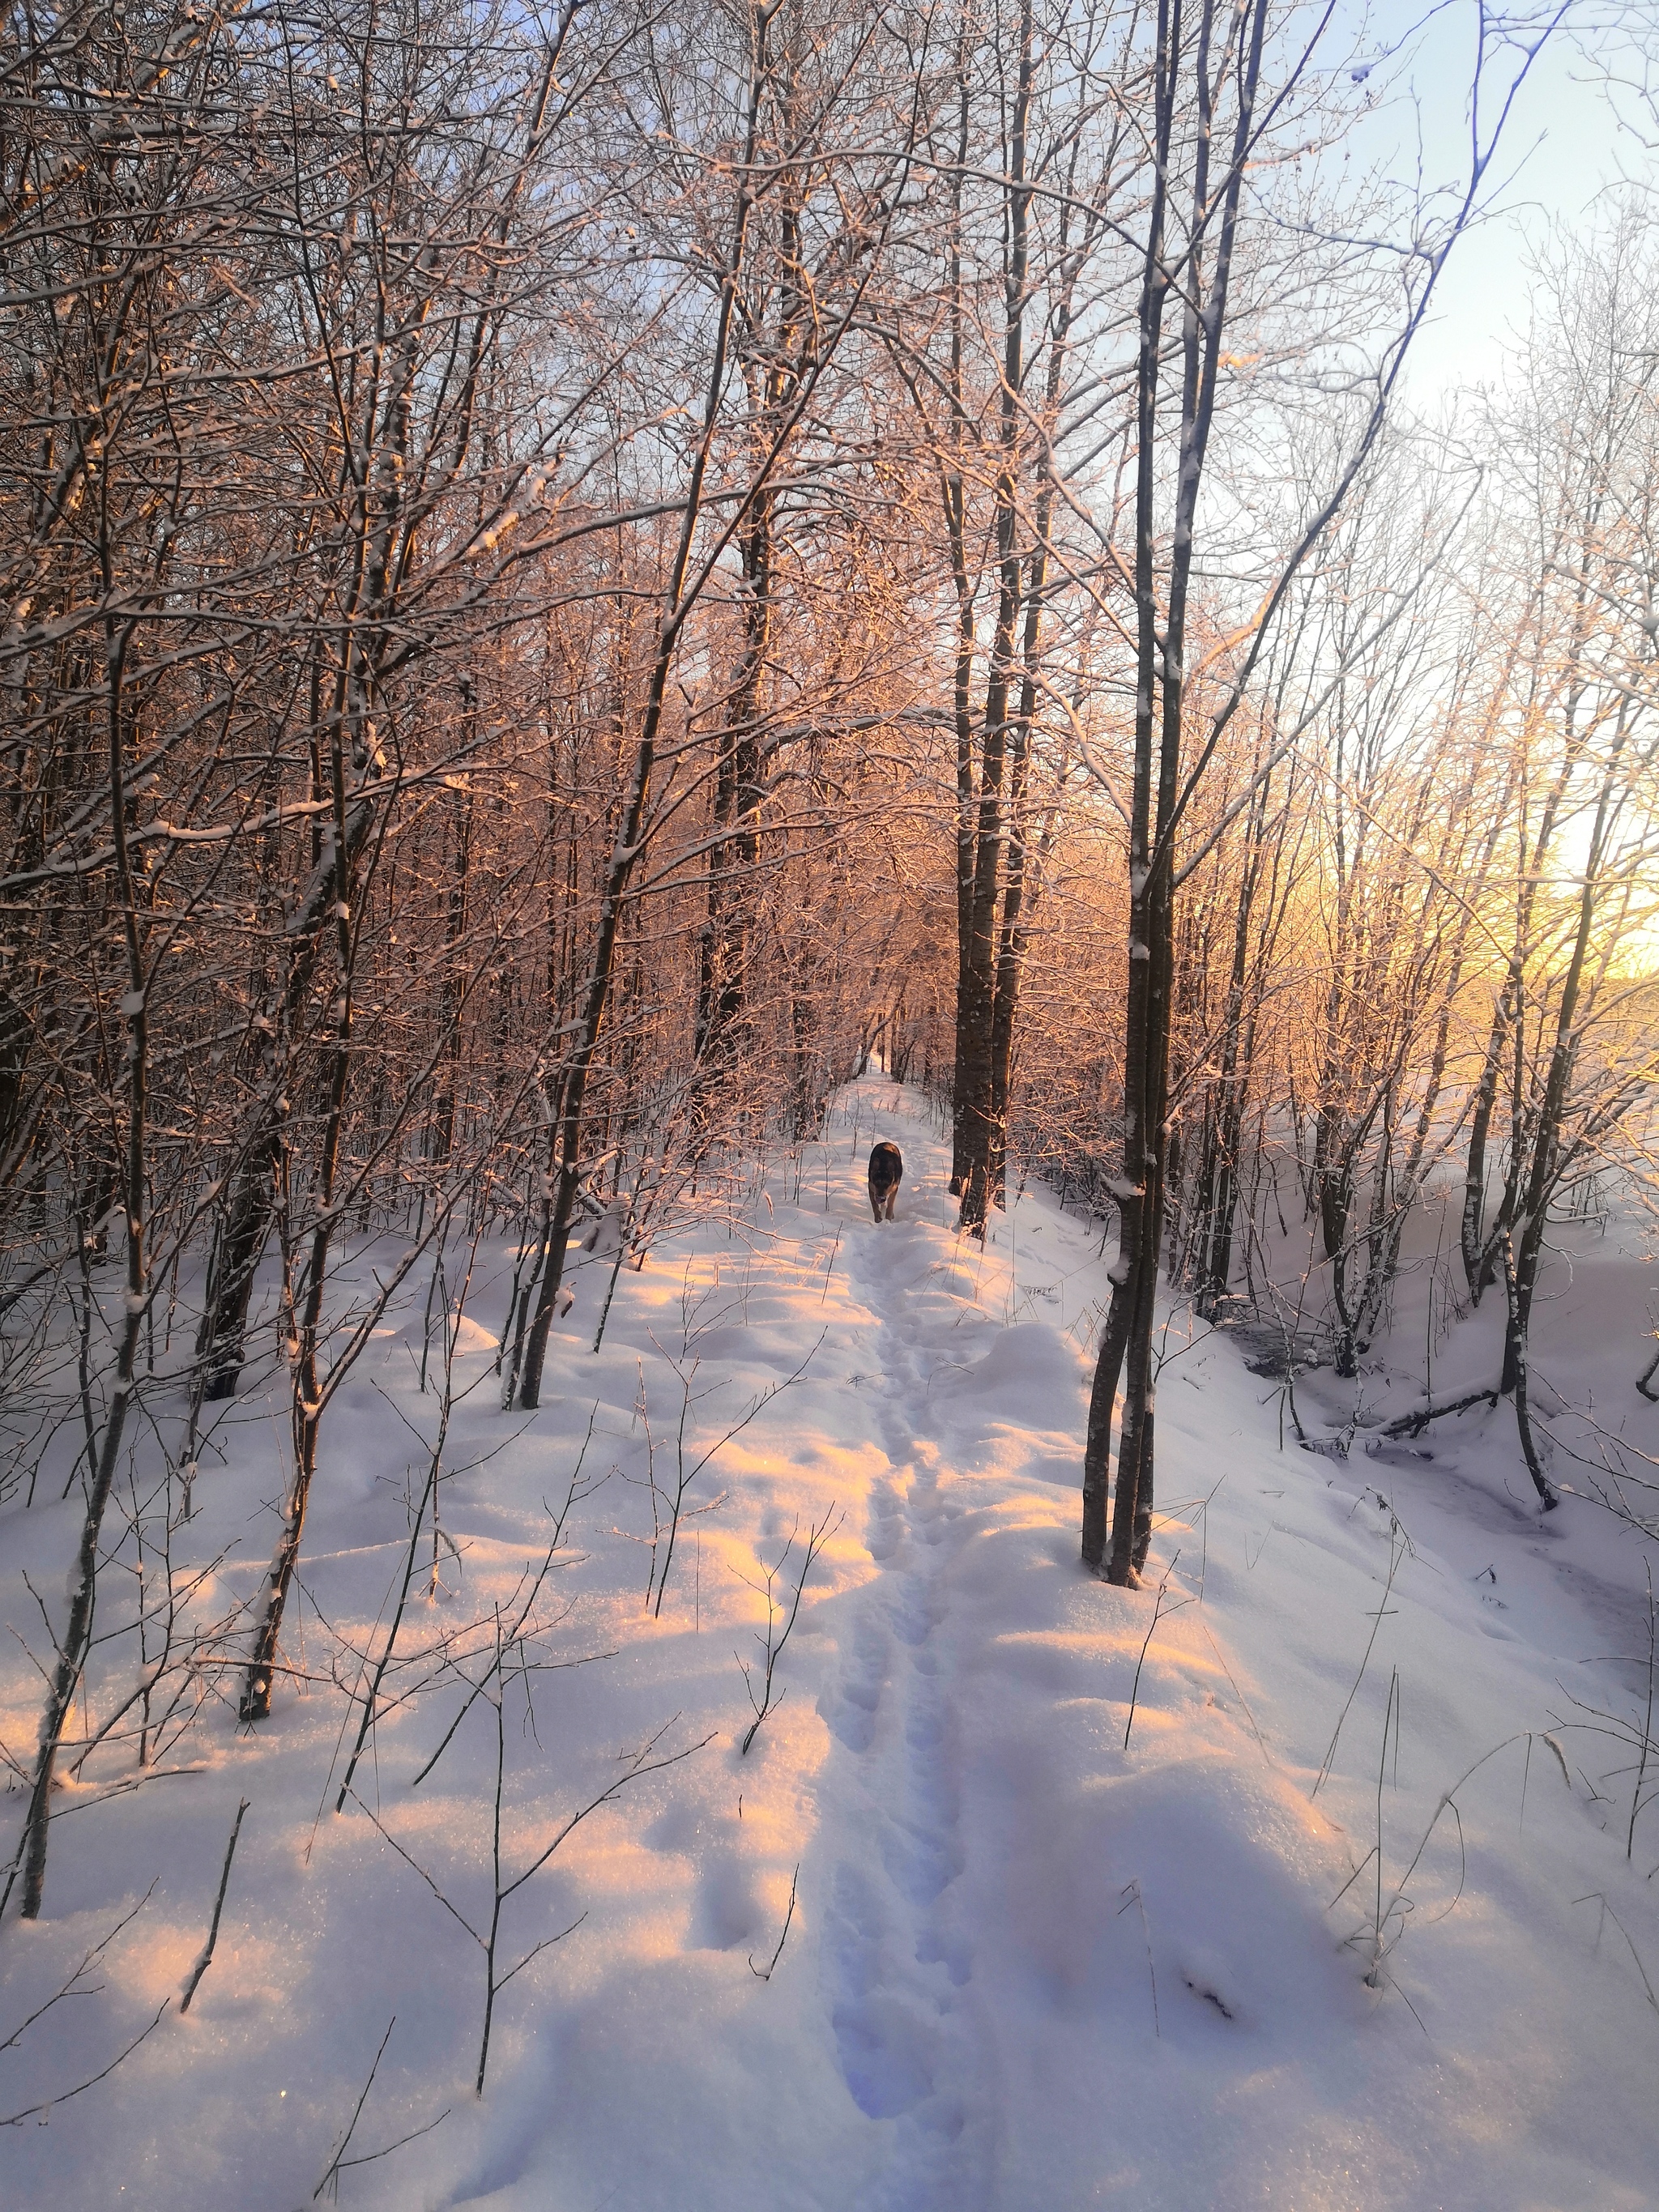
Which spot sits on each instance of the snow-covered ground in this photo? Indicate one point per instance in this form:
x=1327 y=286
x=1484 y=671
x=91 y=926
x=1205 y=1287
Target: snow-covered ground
x=1029 y=1964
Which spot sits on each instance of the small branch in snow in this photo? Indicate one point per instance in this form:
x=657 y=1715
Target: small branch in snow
x=72 y=1987
x=1412 y=1425
x=16 y=2119
x=1131 y=1895
x=686 y=1471
x=340 y=2163
x=1158 y=1608
x=206 y=1957
x=637 y=1766
x=1596 y=1898
x=764 y=1973
x=1396 y=1553
x=1647 y=1732
x=772 y=1643
x=330 y=2180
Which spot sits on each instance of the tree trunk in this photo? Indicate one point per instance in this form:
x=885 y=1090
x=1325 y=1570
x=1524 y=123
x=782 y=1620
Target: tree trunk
x=1159 y=703
x=76 y=1642
x=977 y=1008
x=307 y=1396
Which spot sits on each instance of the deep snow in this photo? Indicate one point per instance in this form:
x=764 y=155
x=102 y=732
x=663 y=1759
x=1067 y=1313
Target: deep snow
x=1026 y=1966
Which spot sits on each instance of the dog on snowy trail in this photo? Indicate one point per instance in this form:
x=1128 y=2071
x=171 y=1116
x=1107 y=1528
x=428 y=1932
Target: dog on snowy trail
x=886 y=1172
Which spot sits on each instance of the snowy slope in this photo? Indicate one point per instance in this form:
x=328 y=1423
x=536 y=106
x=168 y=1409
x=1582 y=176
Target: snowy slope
x=1026 y=1965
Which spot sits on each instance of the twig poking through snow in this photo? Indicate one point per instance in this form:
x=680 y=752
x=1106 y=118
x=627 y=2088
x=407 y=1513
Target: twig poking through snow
x=684 y=1475
x=1596 y=1898
x=206 y=1958
x=1647 y=1732
x=1239 y=1694
x=1158 y=1610
x=1560 y=1758
x=1395 y=1554
x=340 y=2163
x=764 y=1973
x=816 y=1539
x=330 y=2180
x=71 y=1988
x=16 y=2119
x=1131 y=1895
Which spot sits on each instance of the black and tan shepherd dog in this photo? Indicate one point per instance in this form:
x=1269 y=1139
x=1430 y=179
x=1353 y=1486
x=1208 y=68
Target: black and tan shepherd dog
x=886 y=1173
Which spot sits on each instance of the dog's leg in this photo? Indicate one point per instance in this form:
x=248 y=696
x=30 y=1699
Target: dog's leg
x=875 y=1205
x=893 y=1200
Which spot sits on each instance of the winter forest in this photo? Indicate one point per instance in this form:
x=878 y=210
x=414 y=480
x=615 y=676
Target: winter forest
x=605 y=606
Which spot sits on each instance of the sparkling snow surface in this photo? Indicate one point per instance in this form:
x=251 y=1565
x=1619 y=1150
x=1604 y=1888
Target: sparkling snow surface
x=1027 y=1967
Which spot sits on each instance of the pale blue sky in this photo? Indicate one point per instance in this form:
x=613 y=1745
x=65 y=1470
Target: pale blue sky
x=1563 y=147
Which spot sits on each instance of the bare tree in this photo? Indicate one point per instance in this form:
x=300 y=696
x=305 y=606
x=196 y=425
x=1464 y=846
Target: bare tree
x=1216 y=105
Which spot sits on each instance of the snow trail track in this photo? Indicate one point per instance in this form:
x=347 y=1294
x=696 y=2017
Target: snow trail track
x=898 y=1963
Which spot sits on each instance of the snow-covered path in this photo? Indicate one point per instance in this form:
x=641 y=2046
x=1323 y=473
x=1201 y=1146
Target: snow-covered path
x=911 y=2036
x=1028 y=1966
